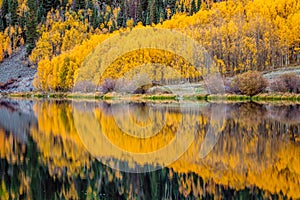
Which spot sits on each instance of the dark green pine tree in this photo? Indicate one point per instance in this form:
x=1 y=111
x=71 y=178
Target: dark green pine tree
x=152 y=12
x=182 y=8
x=90 y=6
x=49 y=4
x=172 y=6
x=193 y=7
x=123 y=14
x=78 y=4
x=12 y=10
x=198 y=5
x=31 y=23
x=139 y=16
x=63 y=3
x=4 y=12
x=145 y=10
x=81 y=4
x=161 y=8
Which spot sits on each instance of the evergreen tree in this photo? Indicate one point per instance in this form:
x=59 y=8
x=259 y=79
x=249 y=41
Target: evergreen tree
x=4 y=12
x=161 y=14
x=31 y=24
x=12 y=11
x=78 y=4
x=198 y=5
x=152 y=11
x=139 y=17
x=193 y=7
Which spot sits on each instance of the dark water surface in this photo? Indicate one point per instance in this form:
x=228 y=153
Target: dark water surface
x=57 y=149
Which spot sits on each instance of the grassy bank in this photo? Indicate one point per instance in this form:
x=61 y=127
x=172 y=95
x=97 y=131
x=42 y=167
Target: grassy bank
x=226 y=97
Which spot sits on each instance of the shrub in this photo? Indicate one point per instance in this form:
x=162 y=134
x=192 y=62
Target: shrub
x=215 y=84
x=84 y=86
x=286 y=83
x=108 y=85
x=249 y=83
x=230 y=88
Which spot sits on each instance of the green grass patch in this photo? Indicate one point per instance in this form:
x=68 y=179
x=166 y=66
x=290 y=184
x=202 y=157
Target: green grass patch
x=267 y=97
x=276 y=97
x=161 y=97
x=234 y=97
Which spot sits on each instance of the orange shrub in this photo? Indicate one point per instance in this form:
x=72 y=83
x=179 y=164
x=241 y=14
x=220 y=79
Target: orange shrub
x=249 y=83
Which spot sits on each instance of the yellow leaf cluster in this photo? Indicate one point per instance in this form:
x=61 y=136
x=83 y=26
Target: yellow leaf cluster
x=59 y=35
x=10 y=39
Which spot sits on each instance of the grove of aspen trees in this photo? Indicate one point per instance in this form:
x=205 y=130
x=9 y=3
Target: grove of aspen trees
x=241 y=35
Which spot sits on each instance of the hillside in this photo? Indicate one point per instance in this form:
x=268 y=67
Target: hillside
x=15 y=70
x=240 y=35
x=16 y=67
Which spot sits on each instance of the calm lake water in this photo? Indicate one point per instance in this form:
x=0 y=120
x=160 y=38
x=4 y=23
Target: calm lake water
x=57 y=149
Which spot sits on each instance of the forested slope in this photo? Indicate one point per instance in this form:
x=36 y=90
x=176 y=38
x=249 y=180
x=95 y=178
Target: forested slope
x=240 y=35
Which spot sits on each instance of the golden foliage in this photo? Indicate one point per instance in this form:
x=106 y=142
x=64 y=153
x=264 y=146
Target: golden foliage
x=57 y=139
x=59 y=73
x=243 y=156
x=10 y=39
x=240 y=36
x=59 y=34
x=146 y=57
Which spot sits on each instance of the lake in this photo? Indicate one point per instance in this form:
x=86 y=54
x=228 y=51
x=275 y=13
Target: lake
x=85 y=149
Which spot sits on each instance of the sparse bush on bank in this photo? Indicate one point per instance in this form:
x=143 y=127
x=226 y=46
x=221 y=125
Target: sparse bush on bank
x=108 y=85
x=215 y=84
x=249 y=83
x=84 y=86
x=286 y=83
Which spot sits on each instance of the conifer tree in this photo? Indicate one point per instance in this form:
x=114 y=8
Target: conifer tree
x=152 y=11
x=12 y=10
x=4 y=12
x=31 y=24
x=193 y=7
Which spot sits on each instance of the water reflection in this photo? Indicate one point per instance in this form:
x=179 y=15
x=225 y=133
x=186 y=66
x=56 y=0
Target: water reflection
x=253 y=150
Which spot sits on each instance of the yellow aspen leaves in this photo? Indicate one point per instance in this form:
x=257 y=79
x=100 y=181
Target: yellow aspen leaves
x=240 y=35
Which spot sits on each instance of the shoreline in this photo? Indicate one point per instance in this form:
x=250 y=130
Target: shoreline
x=263 y=97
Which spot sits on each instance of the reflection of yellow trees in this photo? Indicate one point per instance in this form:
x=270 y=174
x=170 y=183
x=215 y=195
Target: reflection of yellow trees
x=10 y=149
x=14 y=153
x=135 y=144
x=247 y=154
x=257 y=153
x=3 y=191
x=57 y=139
x=249 y=115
